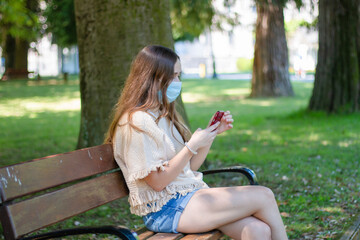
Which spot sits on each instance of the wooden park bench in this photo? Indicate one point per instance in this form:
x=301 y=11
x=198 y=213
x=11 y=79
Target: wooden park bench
x=44 y=191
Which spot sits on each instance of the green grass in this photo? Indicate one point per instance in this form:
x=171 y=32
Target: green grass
x=310 y=160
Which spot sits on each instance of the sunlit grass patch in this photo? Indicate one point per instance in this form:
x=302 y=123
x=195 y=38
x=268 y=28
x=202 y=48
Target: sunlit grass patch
x=31 y=107
x=29 y=98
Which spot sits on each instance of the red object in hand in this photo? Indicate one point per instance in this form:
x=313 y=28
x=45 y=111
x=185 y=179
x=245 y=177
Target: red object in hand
x=217 y=117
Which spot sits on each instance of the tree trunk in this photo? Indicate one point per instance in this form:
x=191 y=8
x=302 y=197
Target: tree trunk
x=337 y=77
x=9 y=51
x=21 y=54
x=110 y=34
x=15 y=53
x=270 y=71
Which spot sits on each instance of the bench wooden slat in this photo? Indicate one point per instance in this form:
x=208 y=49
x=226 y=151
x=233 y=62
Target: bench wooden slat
x=39 y=174
x=145 y=235
x=216 y=234
x=166 y=236
x=212 y=235
x=65 y=203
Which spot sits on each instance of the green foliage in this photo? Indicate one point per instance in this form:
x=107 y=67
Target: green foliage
x=19 y=18
x=293 y=25
x=245 y=64
x=60 y=21
x=309 y=159
x=310 y=25
x=190 y=18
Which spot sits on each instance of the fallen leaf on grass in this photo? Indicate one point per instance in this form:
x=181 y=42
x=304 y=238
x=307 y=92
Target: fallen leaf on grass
x=285 y=178
x=285 y=214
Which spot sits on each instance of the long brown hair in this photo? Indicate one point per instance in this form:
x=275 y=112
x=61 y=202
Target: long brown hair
x=151 y=71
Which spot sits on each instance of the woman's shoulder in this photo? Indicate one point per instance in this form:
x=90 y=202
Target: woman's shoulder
x=145 y=122
x=141 y=119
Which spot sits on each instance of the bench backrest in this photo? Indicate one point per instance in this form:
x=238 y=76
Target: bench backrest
x=45 y=191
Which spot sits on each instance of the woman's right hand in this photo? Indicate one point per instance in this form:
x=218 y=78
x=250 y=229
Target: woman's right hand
x=203 y=137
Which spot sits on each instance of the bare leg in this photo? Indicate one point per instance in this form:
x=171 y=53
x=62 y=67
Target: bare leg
x=215 y=207
x=249 y=228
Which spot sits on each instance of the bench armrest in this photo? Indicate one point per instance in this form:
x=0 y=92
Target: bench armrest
x=249 y=174
x=121 y=232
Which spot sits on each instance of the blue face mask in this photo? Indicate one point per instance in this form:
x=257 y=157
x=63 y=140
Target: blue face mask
x=172 y=92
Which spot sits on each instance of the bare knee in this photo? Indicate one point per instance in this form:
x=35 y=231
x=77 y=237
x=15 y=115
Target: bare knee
x=256 y=230
x=266 y=194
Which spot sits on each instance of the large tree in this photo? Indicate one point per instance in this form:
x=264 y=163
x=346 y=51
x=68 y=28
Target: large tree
x=270 y=76
x=337 y=77
x=110 y=34
x=19 y=26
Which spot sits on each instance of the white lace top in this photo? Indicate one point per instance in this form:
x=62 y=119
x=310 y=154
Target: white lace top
x=139 y=153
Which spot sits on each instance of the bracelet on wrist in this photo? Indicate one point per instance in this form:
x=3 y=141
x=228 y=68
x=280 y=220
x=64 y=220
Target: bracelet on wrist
x=192 y=151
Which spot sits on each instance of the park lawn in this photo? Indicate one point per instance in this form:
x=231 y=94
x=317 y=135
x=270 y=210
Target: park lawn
x=309 y=160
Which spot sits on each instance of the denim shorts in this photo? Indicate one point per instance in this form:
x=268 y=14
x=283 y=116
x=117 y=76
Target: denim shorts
x=167 y=219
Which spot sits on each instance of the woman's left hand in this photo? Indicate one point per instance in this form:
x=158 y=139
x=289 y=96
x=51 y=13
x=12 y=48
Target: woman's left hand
x=225 y=123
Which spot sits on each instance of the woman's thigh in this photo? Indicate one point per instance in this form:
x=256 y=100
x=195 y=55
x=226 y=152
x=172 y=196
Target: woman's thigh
x=214 y=207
